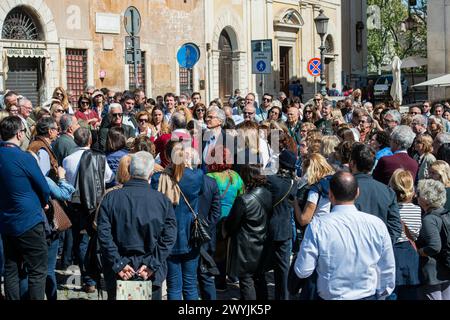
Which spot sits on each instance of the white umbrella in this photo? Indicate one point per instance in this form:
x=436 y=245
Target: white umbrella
x=409 y=62
x=443 y=81
x=396 y=88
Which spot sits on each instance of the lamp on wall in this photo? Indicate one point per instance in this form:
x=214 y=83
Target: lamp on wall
x=359 y=35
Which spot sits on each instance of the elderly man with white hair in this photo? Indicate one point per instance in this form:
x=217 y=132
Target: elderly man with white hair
x=432 y=246
x=137 y=229
x=401 y=139
x=115 y=119
x=392 y=119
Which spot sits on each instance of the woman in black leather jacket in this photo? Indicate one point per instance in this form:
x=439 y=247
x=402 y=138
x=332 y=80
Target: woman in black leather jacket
x=247 y=228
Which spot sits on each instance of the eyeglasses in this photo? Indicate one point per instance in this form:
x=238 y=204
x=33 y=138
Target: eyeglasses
x=143 y=120
x=59 y=94
x=117 y=115
x=248 y=113
x=265 y=99
x=200 y=110
x=60 y=110
x=362 y=121
x=317 y=99
x=84 y=102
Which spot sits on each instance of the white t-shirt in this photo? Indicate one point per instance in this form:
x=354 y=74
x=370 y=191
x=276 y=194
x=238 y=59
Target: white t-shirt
x=324 y=205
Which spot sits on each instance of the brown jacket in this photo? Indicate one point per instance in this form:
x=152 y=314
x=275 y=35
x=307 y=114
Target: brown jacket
x=41 y=143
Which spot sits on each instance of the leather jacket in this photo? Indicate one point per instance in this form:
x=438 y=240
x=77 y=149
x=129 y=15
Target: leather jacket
x=247 y=227
x=89 y=184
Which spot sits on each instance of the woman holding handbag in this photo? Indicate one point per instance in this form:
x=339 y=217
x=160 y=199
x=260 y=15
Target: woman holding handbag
x=182 y=183
x=405 y=251
x=230 y=186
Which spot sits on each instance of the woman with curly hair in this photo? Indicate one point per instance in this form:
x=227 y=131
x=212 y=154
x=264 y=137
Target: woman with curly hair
x=60 y=94
x=160 y=127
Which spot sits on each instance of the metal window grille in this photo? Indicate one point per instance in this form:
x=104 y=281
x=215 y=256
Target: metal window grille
x=186 y=81
x=141 y=74
x=76 y=60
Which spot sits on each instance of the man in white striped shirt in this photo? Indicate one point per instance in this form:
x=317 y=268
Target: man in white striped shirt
x=350 y=250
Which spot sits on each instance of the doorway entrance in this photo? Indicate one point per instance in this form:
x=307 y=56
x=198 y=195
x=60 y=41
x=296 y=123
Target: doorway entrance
x=285 y=53
x=225 y=66
x=26 y=76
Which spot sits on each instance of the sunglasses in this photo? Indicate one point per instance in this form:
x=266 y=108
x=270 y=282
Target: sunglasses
x=248 y=113
x=143 y=120
x=200 y=110
x=117 y=115
x=84 y=102
x=60 y=111
x=265 y=99
x=413 y=113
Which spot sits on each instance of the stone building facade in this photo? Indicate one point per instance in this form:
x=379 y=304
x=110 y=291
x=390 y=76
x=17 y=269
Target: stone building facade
x=74 y=43
x=438 y=45
x=354 y=42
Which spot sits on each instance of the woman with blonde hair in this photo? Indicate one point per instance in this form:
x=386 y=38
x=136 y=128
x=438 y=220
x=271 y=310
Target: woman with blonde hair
x=182 y=183
x=435 y=126
x=185 y=110
x=406 y=257
x=317 y=172
x=440 y=171
x=328 y=147
x=159 y=126
x=60 y=94
x=423 y=144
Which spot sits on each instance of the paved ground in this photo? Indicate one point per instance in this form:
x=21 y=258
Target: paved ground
x=69 y=287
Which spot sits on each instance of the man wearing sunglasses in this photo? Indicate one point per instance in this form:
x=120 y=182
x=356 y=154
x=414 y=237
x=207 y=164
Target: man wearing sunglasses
x=262 y=112
x=115 y=117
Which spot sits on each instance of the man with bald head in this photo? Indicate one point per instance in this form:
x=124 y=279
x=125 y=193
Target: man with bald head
x=350 y=250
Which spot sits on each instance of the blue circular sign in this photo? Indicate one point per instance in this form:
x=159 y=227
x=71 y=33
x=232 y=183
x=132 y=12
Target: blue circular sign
x=261 y=66
x=188 y=55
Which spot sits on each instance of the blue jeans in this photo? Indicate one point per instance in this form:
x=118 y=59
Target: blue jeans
x=51 y=285
x=182 y=276
x=207 y=285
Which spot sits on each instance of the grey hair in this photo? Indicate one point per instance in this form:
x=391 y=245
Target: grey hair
x=396 y=116
x=403 y=136
x=219 y=112
x=443 y=137
x=65 y=122
x=178 y=121
x=368 y=104
x=142 y=165
x=356 y=104
x=89 y=87
x=420 y=119
x=23 y=101
x=433 y=192
x=328 y=103
x=115 y=106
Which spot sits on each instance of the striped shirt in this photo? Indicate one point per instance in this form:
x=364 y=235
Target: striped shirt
x=411 y=215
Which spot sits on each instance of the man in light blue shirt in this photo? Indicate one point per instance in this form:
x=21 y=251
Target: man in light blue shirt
x=350 y=250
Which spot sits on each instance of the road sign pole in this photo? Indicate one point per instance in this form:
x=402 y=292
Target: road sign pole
x=315 y=85
x=135 y=65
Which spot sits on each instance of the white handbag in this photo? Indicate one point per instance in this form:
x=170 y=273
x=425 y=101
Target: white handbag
x=134 y=290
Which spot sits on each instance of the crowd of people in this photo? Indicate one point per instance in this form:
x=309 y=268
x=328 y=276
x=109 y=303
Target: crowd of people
x=352 y=198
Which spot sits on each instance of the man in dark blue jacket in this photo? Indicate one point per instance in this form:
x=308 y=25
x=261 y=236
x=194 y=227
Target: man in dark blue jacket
x=209 y=206
x=25 y=194
x=374 y=197
x=137 y=229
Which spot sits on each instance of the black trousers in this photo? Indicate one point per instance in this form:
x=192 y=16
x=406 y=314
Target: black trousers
x=29 y=251
x=253 y=287
x=279 y=259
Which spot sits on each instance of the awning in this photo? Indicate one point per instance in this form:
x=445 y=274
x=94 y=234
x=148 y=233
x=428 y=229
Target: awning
x=443 y=81
x=26 y=53
x=409 y=62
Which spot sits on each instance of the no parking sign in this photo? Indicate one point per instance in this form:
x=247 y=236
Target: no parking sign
x=314 y=67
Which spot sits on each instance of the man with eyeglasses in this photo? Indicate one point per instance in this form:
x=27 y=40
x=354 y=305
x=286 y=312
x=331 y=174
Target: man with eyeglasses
x=25 y=109
x=25 y=193
x=392 y=119
x=115 y=119
x=262 y=112
x=249 y=113
x=426 y=109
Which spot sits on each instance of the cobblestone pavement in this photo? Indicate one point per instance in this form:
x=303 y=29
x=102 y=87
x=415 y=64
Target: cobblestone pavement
x=69 y=288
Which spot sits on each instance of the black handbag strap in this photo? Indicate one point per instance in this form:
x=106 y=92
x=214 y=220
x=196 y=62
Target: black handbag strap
x=287 y=193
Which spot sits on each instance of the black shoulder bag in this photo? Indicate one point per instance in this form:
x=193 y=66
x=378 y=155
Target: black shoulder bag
x=199 y=227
